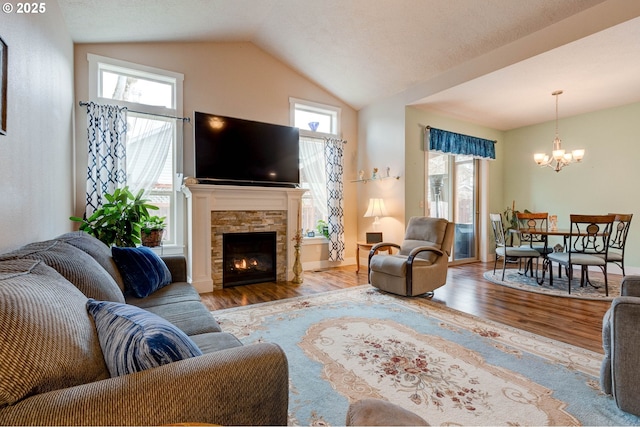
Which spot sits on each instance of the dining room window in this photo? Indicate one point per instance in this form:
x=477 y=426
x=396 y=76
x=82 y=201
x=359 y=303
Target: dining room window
x=452 y=193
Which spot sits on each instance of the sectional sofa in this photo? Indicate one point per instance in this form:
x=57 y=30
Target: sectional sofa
x=81 y=345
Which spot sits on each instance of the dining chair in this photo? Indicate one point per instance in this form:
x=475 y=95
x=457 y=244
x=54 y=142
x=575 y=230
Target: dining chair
x=621 y=225
x=530 y=222
x=503 y=251
x=587 y=245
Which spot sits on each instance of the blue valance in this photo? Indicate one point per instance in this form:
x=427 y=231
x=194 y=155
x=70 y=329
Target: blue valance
x=456 y=143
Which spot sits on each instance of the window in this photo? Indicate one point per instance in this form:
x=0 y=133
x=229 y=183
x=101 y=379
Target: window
x=315 y=121
x=154 y=139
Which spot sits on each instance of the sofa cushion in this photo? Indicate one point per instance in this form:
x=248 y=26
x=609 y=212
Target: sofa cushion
x=133 y=339
x=143 y=271
x=192 y=317
x=97 y=250
x=76 y=266
x=215 y=341
x=172 y=293
x=48 y=341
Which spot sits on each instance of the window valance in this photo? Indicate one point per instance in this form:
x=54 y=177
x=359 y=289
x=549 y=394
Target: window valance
x=456 y=143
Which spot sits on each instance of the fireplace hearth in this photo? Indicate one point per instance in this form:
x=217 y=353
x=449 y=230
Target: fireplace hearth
x=248 y=258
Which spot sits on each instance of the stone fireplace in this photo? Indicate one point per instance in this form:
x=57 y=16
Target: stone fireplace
x=214 y=210
x=233 y=222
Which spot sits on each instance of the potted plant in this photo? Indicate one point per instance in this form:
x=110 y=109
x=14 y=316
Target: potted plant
x=119 y=221
x=152 y=231
x=323 y=228
x=511 y=222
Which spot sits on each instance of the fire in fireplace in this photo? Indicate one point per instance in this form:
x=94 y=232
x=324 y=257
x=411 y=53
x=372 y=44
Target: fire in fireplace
x=248 y=258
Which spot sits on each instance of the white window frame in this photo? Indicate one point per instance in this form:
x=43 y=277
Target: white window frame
x=312 y=106
x=98 y=63
x=334 y=112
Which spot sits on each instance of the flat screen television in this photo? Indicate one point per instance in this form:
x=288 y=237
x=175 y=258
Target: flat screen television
x=235 y=151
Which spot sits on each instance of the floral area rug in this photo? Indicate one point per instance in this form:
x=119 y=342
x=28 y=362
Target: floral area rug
x=514 y=278
x=447 y=366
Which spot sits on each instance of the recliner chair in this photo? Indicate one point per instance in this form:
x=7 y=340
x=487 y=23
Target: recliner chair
x=421 y=264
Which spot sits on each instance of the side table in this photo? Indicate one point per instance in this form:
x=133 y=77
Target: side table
x=367 y=247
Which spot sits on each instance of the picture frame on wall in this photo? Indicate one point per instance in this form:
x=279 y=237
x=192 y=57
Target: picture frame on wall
x=3 y=87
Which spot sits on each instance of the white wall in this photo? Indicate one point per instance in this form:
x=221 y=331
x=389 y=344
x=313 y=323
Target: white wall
x=36 y=155
x=232 y=79
x=382 y=144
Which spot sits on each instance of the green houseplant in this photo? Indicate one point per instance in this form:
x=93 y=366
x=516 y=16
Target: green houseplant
x=323 y=228
x=119 y=221
x=511 y=221
x=152 y=231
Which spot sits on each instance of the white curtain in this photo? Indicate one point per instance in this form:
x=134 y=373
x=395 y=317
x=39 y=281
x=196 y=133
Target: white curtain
x=106 y=167
x=334 y=155
x=312 y=167
x=148 y=145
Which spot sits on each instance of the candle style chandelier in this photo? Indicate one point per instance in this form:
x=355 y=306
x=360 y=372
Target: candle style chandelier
x=559 y=158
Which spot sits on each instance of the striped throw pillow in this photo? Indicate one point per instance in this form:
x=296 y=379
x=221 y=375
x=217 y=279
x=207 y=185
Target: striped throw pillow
x=133 y=339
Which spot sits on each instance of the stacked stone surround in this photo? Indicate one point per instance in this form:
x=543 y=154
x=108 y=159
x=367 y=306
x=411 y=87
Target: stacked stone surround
x=245 y=222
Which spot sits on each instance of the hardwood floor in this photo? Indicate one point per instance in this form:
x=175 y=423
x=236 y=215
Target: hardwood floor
x=574 y=321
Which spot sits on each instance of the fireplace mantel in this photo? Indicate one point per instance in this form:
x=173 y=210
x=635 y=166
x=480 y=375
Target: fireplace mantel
x=202 y=199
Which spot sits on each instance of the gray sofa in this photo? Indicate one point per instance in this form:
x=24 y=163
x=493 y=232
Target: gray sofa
x=53 y=372
x=619 y=373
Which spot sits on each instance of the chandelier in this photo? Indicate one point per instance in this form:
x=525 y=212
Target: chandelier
x=559 y=158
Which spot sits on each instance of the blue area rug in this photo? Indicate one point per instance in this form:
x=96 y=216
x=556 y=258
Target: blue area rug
x=446 y=366
x=513 y=278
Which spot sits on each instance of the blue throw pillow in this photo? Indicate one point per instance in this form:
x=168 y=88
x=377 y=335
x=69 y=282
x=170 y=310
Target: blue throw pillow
x=143 y=272
x=133 y=339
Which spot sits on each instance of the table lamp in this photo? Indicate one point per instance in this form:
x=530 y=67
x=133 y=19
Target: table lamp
x=376 y=209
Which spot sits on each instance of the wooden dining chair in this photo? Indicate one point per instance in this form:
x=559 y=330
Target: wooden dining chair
x=587 y=245
x=503 y=251
x=618 y=239
x=532 y=221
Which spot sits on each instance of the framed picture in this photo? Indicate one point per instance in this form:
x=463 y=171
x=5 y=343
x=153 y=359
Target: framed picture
x=374 y=237
x=3 y=87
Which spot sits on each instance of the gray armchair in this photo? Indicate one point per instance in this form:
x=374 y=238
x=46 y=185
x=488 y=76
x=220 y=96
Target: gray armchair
x=421 y=264
x=619 y=373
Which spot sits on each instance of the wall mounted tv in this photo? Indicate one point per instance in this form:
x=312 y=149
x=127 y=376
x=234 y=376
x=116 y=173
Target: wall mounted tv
x=235 y=151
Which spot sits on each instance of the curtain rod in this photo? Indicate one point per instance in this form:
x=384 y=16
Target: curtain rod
x=429 y=127
x=184 y=119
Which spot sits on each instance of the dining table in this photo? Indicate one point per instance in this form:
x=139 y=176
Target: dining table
x=565 y=233
x=546 y=232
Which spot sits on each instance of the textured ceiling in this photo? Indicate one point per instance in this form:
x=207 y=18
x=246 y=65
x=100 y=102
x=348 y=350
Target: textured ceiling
x=366 y=50
x=596 y=72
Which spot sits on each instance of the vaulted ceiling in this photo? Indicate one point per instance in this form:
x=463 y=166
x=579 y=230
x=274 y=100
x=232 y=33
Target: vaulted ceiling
x=491 y=62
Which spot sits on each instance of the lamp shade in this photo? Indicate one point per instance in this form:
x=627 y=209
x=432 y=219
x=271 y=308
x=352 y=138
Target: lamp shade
x=376 y=208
